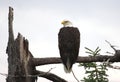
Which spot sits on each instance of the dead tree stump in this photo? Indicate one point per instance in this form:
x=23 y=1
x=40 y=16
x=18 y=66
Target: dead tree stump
x=19 y=56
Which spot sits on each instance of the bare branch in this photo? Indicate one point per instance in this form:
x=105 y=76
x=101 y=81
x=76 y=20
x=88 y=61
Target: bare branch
x=44 y=61
x=114 y=67
x=56 y=60
x=49 y=76
x=75 y=76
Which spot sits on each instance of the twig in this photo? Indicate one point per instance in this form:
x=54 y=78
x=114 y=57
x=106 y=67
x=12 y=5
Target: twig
x=110 y=53
x=51 y=69
x=50 y=76
x=111 y=66
x=3 y=74
x=114 y=67
x=75 y=76
x=111 y=45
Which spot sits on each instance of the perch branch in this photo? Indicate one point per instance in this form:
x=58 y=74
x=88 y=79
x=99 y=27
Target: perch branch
x=44 y=61
x=56 y=60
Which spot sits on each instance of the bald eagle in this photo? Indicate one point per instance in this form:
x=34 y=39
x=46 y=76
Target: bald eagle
x=68 y=43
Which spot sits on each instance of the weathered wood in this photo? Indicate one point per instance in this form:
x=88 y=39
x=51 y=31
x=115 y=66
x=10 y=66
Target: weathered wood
x=10 y=23
x=19 y=66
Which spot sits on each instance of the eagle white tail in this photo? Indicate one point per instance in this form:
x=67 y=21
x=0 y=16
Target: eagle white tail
x=68 y=67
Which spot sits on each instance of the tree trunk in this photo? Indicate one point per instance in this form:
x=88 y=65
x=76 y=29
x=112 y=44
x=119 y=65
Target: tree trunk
x=19 y=66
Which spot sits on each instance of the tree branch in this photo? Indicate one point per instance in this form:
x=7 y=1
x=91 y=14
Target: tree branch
x=56 y=60
x=44 y=61
x=49 y=76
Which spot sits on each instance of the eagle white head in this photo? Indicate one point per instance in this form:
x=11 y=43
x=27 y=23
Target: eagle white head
x=66 y=23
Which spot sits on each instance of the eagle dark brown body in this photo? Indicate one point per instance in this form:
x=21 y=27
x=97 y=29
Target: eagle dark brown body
x=69 y=42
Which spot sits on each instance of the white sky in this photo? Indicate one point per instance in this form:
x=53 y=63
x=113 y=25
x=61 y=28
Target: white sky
x=39 y=21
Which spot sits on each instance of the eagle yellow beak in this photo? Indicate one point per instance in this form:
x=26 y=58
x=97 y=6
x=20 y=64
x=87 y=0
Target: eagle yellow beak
x=63 y=22
x=66 y=23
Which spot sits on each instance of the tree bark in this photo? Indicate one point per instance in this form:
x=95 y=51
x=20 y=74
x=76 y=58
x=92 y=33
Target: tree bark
x=18 y=56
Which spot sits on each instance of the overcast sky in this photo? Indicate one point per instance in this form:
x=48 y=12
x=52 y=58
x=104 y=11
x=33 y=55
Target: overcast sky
x=40 y=20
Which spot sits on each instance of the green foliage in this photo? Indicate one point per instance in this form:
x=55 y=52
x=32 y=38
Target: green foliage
x=95 y=72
